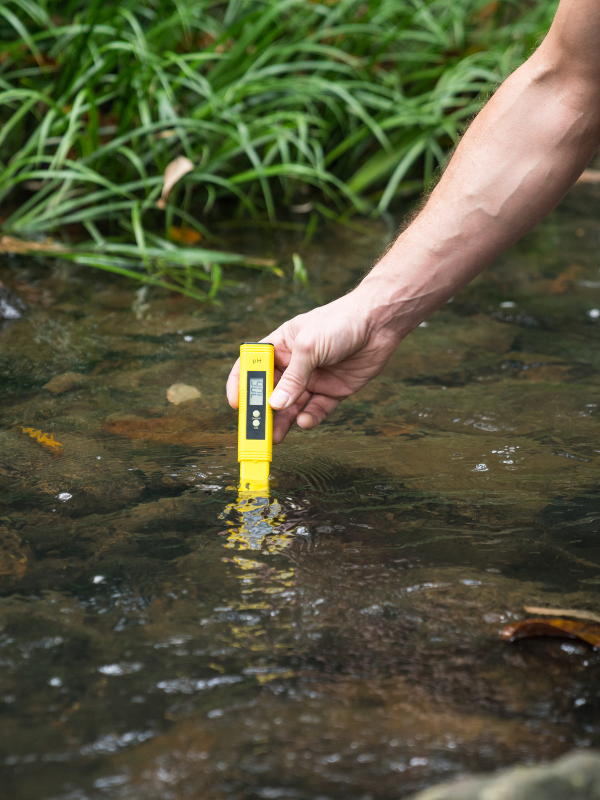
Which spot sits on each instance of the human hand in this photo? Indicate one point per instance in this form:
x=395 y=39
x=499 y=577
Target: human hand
x=321 y=357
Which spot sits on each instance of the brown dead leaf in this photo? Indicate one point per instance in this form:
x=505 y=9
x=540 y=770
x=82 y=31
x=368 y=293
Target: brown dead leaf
x=185 y=235
x=566 y=628
x=564 y=612
x=392 y=429
x=10 y=244
x=563 y=281
x=175 y=170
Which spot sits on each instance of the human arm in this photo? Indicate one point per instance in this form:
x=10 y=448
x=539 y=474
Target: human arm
x=517 y=160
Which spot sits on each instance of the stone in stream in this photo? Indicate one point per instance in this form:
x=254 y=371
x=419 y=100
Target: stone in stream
x=65 y=382
x=575 y=776
x=11 y=306
x=181 y=393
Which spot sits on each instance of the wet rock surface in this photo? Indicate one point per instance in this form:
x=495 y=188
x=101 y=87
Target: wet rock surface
x=162 y=638
x=573 y=777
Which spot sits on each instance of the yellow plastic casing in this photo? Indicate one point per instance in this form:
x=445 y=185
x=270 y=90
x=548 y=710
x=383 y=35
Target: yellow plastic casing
x=255 y=442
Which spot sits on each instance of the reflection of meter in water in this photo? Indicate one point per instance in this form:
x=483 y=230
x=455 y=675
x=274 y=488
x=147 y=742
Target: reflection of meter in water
x=255 y=426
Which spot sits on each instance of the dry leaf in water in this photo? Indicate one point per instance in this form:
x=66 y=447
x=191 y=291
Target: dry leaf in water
x=179 y=167
x=185 y=235
x=181 y=393
x=563 y=612
x=45 y=439
x=566 y=628
x=10 y=244
x=566 y=279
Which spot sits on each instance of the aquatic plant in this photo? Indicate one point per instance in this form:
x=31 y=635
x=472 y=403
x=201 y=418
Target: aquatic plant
x=328 y=108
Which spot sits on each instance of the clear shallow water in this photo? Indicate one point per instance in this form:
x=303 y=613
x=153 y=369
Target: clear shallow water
x=159 y=639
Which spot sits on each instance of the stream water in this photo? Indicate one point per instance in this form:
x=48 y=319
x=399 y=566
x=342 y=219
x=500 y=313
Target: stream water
x=160 y=640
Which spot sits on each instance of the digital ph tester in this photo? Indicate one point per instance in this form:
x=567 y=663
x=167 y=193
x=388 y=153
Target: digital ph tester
x=255 y=422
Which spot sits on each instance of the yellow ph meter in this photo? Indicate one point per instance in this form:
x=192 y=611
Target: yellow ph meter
x=255 y=422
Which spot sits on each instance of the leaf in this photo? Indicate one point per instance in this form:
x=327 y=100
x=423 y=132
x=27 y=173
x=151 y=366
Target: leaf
x=563 y=612
x=45 y=439
x=564 y=281
x=10 y=244
x=566 y=628
x=185 y=235
x=300 y=273
x=175 y=170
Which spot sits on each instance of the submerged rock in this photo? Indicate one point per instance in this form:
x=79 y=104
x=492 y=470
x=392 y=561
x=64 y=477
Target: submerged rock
x=575 y=776
x=65 y=382
x=182 y=393
x=11 y=306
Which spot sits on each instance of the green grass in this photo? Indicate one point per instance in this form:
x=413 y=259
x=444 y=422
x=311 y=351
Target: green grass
x=344 y=105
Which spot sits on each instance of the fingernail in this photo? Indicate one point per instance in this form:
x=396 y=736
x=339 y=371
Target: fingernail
x=307 y=419
x=279 y=399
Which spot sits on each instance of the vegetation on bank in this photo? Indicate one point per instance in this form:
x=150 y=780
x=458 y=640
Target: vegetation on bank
x=281 y=106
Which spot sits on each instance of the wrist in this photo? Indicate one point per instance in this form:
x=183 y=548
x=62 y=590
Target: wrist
x=394 y=304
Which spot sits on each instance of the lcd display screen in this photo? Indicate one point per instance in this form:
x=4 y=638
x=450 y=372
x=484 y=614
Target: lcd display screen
x=256 y=392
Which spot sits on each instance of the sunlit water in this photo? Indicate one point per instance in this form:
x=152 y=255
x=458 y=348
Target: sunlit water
x=161 y=639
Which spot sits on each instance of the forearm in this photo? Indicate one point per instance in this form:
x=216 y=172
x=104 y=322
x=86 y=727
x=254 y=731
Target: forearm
x=515 y=163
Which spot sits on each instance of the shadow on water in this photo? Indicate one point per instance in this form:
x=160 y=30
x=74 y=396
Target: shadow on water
x=163 y=638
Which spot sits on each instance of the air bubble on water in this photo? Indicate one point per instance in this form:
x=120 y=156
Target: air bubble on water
x=594 y=313
x=64 y=496
x=508 y=304
x=55 y=682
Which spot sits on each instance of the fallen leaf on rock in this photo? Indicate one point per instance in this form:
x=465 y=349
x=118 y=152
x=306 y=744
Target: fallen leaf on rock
x=10 y=244
x=64 y=382
x=185 y=235
x=392 y=429
x=182 y=393
x=563 y=612
x=175 y=170
x=566 y=628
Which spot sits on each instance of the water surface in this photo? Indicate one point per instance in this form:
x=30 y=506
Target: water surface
x=160 y=639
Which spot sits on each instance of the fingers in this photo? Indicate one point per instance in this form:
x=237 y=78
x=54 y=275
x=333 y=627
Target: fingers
x=292 y=384
x=308 y=412
x=233 y=385
x=232 y=389
x=315 y=412
x=283 y=420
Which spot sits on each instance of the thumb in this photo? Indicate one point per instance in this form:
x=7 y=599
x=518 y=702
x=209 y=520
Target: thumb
x=294 y=380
